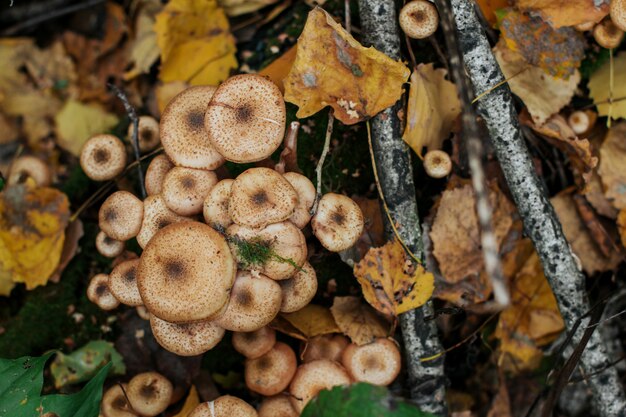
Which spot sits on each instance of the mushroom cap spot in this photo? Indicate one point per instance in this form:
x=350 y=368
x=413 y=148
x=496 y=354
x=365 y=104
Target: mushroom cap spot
x=185 y=189
x=123 y=283
x=271 y=373
x=618 y=13
x=121 y=215
x=158 y=168
x=148 y=136
x=419 y=19
x=254 y=344
x=327 y=346
x=149 y=393
x=299 y=290
x=285 y=241
x=208 y=272
x=156 y=216
x=114 y=403
x=376 y=363
x=215 y=207
x=186 y=339
x=245 y=119
x=103 y=157
x=107 y=246
x=262 y=303
x=306 y=197
x=98 y=292
x=607 y=34
x=182 y=132
x=224 y=406
x=338 y=223
x=437 y=164
x=261 y=196
x=29 y=166
x=277 y=406
x=312 y=377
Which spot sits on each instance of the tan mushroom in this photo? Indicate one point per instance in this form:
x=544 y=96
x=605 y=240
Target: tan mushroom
x=271 y=373
x=607 y=34
x=103 y=157
x=156 y=215
x=245 y=120
x=148 y=136
x=149 y=393
x=299 y=290
x=186 y=339
x=29 y=167
x=277 y=406
x=109 y=247
x=306 y=197
x=419 y=19
x=155 y=175
x=123 y=257
x=215 y=208
x=581 y=121
x=121 y=215
x=184 y=189
x=224 y=406
x=338 y=222
x=618 y=13
x=437 y=164
x=254 y=344
x=114 y=403
x=123 y=283
x=98 y=292
x=327 y=346
x=585 y=26
x=143 y=312
x=313 y=377
x=376 y=363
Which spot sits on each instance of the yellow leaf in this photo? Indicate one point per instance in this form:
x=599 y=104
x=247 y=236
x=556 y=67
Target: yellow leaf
x=191 y=402
x=433 y=105
x=612 y=168
x=566 y=13
x=239 y=7
x=195 y=42
x=312 y=320
x=279 y=68
x=144 y=50
x=391 y=283
x=489 y=7
x=600 y=91
x=333 y=69
x=358 y=321
x=165 y=92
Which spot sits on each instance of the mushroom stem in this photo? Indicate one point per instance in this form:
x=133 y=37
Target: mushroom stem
x=320 y=164
x=288 y=161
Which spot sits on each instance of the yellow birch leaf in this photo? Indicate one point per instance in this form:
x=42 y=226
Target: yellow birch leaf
x=566 y=13
x=600 y=87
x=358 y=320
x=191 y=402
x=333 y=69
x=278 y=69
x=312 y=320
x=144 y=50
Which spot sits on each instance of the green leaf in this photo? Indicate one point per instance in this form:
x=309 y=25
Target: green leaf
x=362 y=400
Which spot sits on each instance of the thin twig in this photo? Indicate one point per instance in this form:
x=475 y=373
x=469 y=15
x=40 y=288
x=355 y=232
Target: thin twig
x=49 y=15
x=346 y=12
x=320 y=164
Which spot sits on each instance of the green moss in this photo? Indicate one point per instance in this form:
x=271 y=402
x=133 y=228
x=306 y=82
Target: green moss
x=256 y=253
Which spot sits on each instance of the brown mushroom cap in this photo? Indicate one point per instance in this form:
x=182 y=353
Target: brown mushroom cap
x=306 y=197
x=313 y=377
x=156 y=215
x=419 y=19
x=260 y=196
x=184 y=189
x=376 y=363
x=618 y=13
x=579 y=121
x=327 y=346
x=123 y=283
x=338 y=222
x=607 y=34
x=245 y=119
x=121 y=215
x=437 y=164
x=114 y=403
x=299 y=290
x=186 y=273
x=215 y=208
x=277 y=406
x=98 y=292
x=155 y=175
x=254 y=302
x=149 y=393
x=148 y=136
x=103 y=157
x=143 y=312
x=284 y=240
x=271 y=373
x=29 y=167
x=109 y=247
x=254 y=344
x=224 y=406
x=182 y=130
x=186 y=339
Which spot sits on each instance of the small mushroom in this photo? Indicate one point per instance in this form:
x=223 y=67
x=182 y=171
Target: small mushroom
x=254 y=344
x=607 y=34
x=182 y=130
x=98 y=292
x=29 y=167
x=419 y=19
x=103 y=157
x=313 y=377
x=581 y=121
x=327 y=346
x=271 y=373
x=148 y=136
x=143 y=312
x=437 y=164
x=156 y=215
x=585 y=26
x=123 y=283
x=184 y=189
x=224 y=406
x=109 y=247
x=376 y=363
x=299 y=290
x=114 y=403
x=245 y=120
x=306 y=197
x=149 y=393
x=121 y=215
x=155 y=174
x=277 y=406
x=215 y=208
x=618 y=13
x=338 y=222
x=186 y=339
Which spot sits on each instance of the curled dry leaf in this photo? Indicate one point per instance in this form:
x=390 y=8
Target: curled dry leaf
x=621 y=226
x=333 y=69
x=143 y=50
x=312 y=320
x=612 y=168
x=358 y=321
x=600 y=87
x=73 y=233
x=566 y=13
x=191 y=402
x=594 y=193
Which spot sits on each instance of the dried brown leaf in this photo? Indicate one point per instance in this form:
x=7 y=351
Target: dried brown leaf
x=358 y=321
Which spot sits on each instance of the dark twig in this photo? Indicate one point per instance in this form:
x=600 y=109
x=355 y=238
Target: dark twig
x=320 y=164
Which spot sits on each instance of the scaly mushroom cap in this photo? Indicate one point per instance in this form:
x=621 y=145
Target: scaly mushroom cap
x=437 y=164
x=109 y=247
x=29 y=167
x=277 y=406
x=376 y=363
x=313 y=377
x=103 y=157
x=98 y=292
x=155 y=175
x=114 y=403
x=184 y=189
x=327 y=346
x=338 y=222
x=121 y=215
x=149 y=393
x=607 y=34
x=215 y=208
x=186 y=273
x=156 y=215
x=148 y=136
x=306 y=196
x=254 y=302
x=260 y=196
x=186 y=339
x=224 y=406
x=271 y=373
x=256 y=343
x=284 y=241
x=245 y=120
x=123 y=283
x=618 y=13
x=299 y=290
x=419 y=19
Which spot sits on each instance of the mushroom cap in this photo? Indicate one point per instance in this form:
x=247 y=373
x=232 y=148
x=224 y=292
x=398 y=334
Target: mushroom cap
x=186 y=339
x=143 y=312
x=419 y=19
x=299 y=290
x=224 y=406
x=271 y=373
x=123 y=257
x=156 y=215
x=312 y=377
x=114 y=403
x=618 y=13
x=585 y=26
x=182 y=130
x=123 y=283
x=306 y=197
x=437 y=164
x=148 y=136
x=109 y=247
x=98 y=292
x=254 y=303
x=579 y=121
x=254 y=344
x=376 y=363
x=186 y=273
x=29 y=166
x=338 y=222
x=215 y=208
x=103 y=157
x=184 y=189
x=326 y=346
x=607 y=34
x=149 y=393
x=121 y=215
x=245 y=119
x=155 y=174
x=284 y=240
x=260 y=196
x=277 y=406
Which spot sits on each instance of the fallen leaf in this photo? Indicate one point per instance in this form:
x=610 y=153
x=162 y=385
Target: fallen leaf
x=621 y=226
x=312 y=320
x=358 y=321
x=612 y=169
x=333 y=69
x=191 y=402
x=433 y=105
x=601 y=235
x=600 y=87
x=490 y=7
x=374 y=230
x=239 y=7
x=73 y=233
x=594 y=193
x=501 y=404
x=278 y=69
x=143 y=50
x=166 y=92
x=566 y=13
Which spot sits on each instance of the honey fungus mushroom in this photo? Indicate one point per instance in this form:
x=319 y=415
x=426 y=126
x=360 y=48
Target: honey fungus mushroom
x=148 y=136
x=121 y=215
x=419 y=19
x=376 y=363
x=29 y=167
x=186 y=339
x=156 y=215
x=224 y=406
x=123 y=283
x=437 y=164
x=277 y=406
x=312 y=377
x=98 y=292
x=618 y=13
x=254 y=344
x=103 y=157
x=149 y=393
x=306 y=197
x=184 y=189
x=607 y=34
x=298 y=290
x=245 y=120
x=271 y=373
x=215 y=208
x=155 y=174
x=109 y=247
x=114 y=403
x=327 y=346
x=338 y=222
